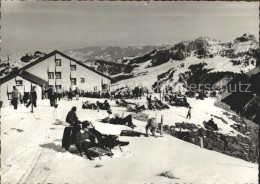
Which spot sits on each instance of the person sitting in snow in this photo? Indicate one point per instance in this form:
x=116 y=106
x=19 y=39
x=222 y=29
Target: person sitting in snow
x=87 y=105
x=72 y=117
x=89 y=137
x=85 y=139
x=106 y=105
x=159 y=105
x=152 y=125
x=211 y=125
x=149 y=99
x=103 y=106
x=139 y=107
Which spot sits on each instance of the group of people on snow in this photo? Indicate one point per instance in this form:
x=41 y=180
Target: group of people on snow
x=17 y=97
x=85 y=136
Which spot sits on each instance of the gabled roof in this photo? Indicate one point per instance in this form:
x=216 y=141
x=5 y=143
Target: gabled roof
x=30 y=77
x=14 y=74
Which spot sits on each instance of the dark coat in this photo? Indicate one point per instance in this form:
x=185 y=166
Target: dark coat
x=81 y=137
x=72 y=118
x=50 y=93
x=34 y=95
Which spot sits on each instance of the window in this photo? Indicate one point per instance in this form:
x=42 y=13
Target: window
x=72 y=67
x=58 y=75
x=58 y=86
x=50 y=75
x=19 y=82
x=73 y=81
x=82 y=80
x=58 y=62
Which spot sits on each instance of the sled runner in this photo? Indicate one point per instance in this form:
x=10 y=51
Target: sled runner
x=95 y=151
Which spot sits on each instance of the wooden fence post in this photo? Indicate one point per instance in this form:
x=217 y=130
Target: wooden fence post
x=161 y=131
x=201 y=142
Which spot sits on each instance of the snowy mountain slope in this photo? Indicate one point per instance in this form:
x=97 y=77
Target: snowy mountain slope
x=17 y=60
x=147 y=76
x=34 y=155
x=238 y=56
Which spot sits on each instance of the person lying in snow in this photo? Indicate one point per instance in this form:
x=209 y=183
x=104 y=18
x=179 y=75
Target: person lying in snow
x=116 y=120
x=103 y=106
x=152 y=125
x=156 y=104
x=122 y=103
x=88 y=105
x=137 y=107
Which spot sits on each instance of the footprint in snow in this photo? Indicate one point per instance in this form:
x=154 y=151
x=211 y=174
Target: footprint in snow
x=46 y=168
x=98 y=165
x=168 y=174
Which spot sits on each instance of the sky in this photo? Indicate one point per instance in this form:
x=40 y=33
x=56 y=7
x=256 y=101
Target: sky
x=49 y=25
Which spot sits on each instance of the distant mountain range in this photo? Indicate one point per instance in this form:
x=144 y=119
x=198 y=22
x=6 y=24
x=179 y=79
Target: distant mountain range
x=107 y=53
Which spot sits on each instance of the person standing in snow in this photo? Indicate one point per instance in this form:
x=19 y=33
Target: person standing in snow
x=136 y=92
x=50 y=93
x=59 y=92
x=33 y=97
x=76 y=92
x=70 y=95
x=189 y=113
x=15 y=95
x=140 y=92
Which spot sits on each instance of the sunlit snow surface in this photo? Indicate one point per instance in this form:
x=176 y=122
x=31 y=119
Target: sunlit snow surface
x=32 y=153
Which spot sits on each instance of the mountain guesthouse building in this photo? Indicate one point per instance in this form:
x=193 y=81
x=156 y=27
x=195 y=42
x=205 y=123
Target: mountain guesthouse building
x=57 y=70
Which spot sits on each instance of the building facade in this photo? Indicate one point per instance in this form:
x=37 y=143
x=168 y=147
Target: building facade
x=57 y=70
